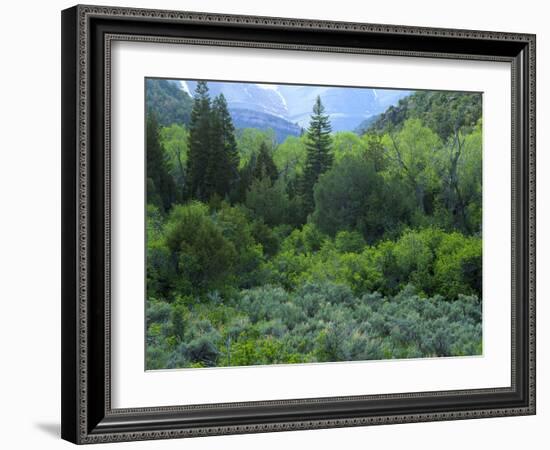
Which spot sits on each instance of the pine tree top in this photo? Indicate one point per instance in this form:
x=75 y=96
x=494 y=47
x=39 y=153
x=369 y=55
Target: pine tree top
x=202 y=89
x=319 y=129
x=318 y=107
x=220 y=100
x=320 y=122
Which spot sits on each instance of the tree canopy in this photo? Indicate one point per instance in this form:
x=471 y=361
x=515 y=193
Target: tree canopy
x=329 y=246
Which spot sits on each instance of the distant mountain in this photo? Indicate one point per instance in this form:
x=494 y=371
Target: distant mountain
x=170 y=103
x=252 y=106
x=366 y=124
x=347 y=107
x=248 y=118
x=284 y=108
x=246 y=96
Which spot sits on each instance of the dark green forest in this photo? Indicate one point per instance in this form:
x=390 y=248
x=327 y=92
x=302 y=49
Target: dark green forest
x=325 y=247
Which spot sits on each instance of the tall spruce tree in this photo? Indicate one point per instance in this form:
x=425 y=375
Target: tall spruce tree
x=223 y=162
x=161 y=189
x=318 y=147
x=265 y=166
x=200 y=141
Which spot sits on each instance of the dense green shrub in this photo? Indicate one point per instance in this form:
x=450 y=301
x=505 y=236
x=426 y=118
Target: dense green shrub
x=266 y=237
x=269 y=201
x=237 y=228
x=458 y=266
x=160 y=271
x=203 y=257
x=304 y=241
x=318 y=322
x=430 y=259
x=349 y=242
x=351 y=195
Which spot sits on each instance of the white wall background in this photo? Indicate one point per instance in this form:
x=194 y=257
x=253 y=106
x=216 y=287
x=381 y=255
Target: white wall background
x=30 y=224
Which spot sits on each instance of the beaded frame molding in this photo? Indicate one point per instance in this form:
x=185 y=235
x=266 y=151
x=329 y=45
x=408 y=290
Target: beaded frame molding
x=87 y=35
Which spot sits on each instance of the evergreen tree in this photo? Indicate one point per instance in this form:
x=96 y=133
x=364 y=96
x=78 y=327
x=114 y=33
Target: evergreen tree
x=161 y=189
x=265 y=166
x=223 y=162
x=199 y=142
x=246 y=176
x=318 y=146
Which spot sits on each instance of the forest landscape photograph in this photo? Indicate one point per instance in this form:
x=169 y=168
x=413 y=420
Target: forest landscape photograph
x=305 y=224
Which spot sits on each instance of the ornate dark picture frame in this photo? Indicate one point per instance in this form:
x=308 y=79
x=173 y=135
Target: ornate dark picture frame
x=87 y=34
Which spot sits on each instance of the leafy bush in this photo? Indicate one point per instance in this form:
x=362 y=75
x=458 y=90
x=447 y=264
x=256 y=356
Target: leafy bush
x=349 y=242
x=433 y=261
x=237 y=228
x=350 y=197
x=304 y=241
x=204 y=257
x=269 y=201
x=457 y=269
x=318 y=322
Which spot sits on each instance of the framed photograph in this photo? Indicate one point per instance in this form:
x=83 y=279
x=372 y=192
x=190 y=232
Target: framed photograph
x=279 y=224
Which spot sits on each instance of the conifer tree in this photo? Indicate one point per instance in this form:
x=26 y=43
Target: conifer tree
x=318 y=146
x=223 y=163
x=246 y=176
x=265 y=166
x=161 y=189
x=199 y=142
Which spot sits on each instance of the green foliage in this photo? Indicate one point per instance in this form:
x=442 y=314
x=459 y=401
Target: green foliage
x=174 y=139
x=459 y=167
x=350 y=197
x=249 y=141
x=265 y=236
x=160 y=271
x=317 y=323
x=346 y=143
x=434 y=262
x=161 y=189
x=268 y=201
x=430 y=259
x=259 y=165
x=223 y=159
x=375 y=151
x=290 y=156
x=457 y=269
x=412 y=151
x=306 y=241
x=442 y=112
x=200 y=137
x=325 y=247
x=349 y=242
x=318 y=146
x=265 y=167
x=237 y=228
x=203 y=257
x=213 y=160
x=168 y=102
